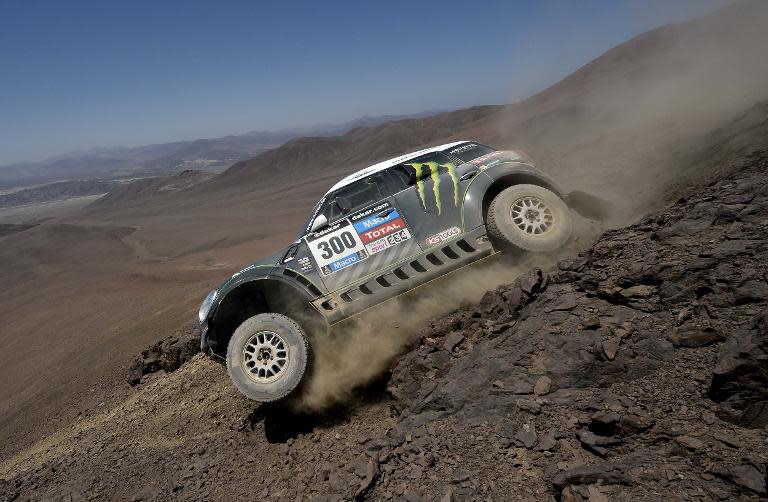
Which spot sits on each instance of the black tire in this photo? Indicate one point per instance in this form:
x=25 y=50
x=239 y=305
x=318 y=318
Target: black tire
x=273 y=335
x=530 y=218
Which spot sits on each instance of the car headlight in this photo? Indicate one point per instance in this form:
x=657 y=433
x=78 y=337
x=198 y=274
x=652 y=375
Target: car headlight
x=202 y=314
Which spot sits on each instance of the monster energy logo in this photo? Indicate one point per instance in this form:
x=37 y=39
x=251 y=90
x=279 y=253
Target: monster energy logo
x=434 y=173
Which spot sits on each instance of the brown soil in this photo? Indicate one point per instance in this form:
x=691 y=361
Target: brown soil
x=621 y=374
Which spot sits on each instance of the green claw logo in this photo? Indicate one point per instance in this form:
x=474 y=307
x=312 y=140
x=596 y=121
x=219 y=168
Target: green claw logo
x=434 y=173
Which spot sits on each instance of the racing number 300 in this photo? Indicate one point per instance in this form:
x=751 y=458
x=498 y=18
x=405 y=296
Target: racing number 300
x=336 y=244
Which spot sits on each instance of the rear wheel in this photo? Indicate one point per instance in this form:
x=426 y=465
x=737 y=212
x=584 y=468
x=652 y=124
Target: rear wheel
x=267 y=356
x=529 y=217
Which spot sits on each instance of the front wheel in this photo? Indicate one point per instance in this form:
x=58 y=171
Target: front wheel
x=267 y=356
x=529 y=217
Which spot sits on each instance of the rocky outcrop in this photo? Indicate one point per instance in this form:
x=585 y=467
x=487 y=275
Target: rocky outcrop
x=165 y=356
x=740 y=377
x=643 y=347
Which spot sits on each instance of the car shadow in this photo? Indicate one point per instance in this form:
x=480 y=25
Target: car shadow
x=286 y=419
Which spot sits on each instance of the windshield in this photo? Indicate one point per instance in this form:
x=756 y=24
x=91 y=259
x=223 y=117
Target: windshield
x=470 y=151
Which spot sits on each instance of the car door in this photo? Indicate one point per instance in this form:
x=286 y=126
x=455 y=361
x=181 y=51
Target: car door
x=432 y=197
x=366 y=233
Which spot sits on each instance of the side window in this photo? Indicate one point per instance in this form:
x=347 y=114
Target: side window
x=355 y=196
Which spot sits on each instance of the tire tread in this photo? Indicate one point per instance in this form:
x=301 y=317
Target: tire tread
x=303 y=337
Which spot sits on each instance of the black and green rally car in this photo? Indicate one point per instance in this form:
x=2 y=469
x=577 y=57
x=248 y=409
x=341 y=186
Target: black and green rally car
x=376 y=234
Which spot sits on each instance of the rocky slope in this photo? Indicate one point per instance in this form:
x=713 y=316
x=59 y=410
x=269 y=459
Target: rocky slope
x=635 y=371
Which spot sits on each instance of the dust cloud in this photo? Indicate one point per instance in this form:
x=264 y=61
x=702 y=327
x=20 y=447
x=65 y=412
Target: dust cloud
x=633 y=125
x=629 y=127
x=360 y=349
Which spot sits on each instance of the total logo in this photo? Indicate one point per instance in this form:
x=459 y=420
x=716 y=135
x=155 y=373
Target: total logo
x=382 y=230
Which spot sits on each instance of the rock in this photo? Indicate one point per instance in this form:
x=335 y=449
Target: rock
x=641 y=291
x=543 y=386
x=452 y=341
x=611 y=347
x=605 y=474
x=410 y=496
x=689 y=442
x=595 y=494
x=751 y=292
x=695 y=337
x=740 y=378
x=547 y=443
x=590 y=320
x=634 y=424
x=448 y=495
x=531 y=407
x=658 y=349
x=527 y=436
x=755 y=415
x=166 y=355
x=569 y=495
x=596 y=444
x=605 y=423
x=507 y=429
x=460 y=475
x=746 y=476
x=727 y=439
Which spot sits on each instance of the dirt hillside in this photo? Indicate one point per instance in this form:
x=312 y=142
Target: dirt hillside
x=634 y=371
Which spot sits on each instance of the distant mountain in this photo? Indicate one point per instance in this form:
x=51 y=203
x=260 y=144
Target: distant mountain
x=212 y=154
x=630 y=126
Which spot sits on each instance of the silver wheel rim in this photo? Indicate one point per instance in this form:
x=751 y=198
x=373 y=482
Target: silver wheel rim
x=531 y=215
x=265 y=357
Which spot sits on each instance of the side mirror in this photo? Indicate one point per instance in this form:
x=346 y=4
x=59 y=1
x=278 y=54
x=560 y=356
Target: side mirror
x=320 y=222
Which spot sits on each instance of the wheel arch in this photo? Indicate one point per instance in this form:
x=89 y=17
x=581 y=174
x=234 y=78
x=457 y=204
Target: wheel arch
x=258 y=296
x=515 y=178
x=493 y=181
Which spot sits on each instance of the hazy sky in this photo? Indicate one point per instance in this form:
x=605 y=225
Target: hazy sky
x=83 y=74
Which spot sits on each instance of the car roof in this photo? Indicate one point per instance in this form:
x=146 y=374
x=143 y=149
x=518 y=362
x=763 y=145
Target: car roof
x=389 y=163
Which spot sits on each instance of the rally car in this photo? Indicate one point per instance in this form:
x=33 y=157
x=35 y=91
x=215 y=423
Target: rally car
x=375 y=234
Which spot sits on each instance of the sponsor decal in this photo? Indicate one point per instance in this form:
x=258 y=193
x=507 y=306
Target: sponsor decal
x=327 y=230
x=421 y=169
x=447 y=234
x=489 y=160
x=344 y=262
x=376 y=221
x=370 y=211
x=382 y=230
x=388 y=241
x=306 y=264
x=332 y=247
x=464 y=148
x=354 y=239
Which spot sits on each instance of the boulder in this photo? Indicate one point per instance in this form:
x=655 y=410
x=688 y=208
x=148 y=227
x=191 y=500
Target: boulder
x=740 y=376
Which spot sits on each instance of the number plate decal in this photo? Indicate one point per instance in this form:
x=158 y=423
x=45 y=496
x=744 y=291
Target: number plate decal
x=336 y=247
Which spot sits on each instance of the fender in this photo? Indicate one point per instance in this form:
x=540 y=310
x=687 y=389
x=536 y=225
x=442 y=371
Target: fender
x=491 y=181
x=255 y=290
x=248 y=274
